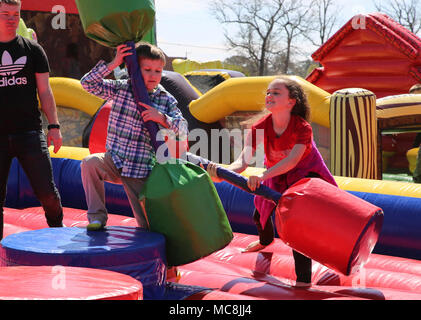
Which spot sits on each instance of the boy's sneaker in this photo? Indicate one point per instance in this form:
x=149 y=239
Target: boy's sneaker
x=95 y=226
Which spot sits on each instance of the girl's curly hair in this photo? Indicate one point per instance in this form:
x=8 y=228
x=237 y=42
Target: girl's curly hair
x=301 y=108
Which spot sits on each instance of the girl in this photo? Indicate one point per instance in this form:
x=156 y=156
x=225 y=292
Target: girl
x=290 y=155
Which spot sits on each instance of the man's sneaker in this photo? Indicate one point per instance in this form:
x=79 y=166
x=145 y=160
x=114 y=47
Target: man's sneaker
x=95 y=226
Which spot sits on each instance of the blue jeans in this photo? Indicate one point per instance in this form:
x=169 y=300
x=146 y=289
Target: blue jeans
x=30 y=149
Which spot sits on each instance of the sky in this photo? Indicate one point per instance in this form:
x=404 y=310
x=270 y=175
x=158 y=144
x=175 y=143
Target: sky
x=186 y=28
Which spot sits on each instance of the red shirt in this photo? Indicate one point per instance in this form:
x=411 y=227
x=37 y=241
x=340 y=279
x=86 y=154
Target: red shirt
x=298 y=131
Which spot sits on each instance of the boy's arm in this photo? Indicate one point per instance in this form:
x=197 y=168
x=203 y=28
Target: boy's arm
x=176 y=121
x=172 y=120
x=48 y=106
x=95 y=82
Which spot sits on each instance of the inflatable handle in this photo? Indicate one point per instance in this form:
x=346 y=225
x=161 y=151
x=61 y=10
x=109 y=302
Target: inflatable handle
x=140 y=93
x=236 y=179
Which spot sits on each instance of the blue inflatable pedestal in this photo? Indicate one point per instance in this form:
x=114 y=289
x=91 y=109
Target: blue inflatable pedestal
x=128 y=250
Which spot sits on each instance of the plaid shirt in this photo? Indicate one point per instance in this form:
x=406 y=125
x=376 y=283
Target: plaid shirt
x=128 y=139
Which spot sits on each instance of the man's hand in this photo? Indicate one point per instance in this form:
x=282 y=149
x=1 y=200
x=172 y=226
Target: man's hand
x=54 y=136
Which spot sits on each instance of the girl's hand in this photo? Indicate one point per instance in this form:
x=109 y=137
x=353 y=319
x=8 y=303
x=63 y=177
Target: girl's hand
x=211 y=169
x=151 y=114
x=122 y=51
x=254 y=182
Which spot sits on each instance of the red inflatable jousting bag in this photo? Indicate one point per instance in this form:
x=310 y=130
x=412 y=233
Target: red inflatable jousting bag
x=329 y=225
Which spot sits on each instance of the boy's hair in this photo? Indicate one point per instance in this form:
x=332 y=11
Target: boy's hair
x=416 y=88
x=11 y=2
x=301 y=108
x=149 y=51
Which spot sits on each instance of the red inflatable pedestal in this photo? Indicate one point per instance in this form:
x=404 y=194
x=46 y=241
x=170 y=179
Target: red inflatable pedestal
x=66 y=283
x=98 y=135
x=329 y=225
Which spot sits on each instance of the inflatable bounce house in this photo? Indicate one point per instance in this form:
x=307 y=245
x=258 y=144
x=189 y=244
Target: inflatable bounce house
x=371 y=52
x=376 y=53
x=363 y=237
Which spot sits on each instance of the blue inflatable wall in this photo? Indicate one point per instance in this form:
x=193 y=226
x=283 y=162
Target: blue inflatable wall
x=400 y=235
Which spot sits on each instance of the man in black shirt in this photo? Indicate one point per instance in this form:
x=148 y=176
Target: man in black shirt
x=24 y=73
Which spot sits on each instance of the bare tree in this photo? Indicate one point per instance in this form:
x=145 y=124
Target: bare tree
x=295 y=24
x=325 y=17
x=256 y=23
x=406 y=12
x=264 y=30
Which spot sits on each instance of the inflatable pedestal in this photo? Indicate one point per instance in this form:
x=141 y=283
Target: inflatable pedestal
x=66 y=283
x=128 y=250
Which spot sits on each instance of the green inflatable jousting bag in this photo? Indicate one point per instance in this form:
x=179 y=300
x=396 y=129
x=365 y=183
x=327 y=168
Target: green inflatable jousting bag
x=181 y=202
x=113 y=22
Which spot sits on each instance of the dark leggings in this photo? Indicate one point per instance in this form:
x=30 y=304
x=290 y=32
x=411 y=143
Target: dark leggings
x=266 y=236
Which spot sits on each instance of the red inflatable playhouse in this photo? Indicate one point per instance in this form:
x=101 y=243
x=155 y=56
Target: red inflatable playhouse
x=378 y=54
x=372 y=52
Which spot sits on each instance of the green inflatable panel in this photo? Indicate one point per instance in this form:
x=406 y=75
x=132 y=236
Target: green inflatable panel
x=113 y=22
x=181 y=202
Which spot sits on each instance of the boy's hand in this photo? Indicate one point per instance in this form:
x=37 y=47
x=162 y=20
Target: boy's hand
x=151 y=114
x=122 y=51
x=212 y=171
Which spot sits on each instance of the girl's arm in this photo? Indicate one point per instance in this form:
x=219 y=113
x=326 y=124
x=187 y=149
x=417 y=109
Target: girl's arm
x=287 y=163
x=281 y=167
x=248 y=153
x=242 y=162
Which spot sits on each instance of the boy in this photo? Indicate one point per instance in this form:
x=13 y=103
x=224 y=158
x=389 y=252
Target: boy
x=129 y=155
x=24 y=72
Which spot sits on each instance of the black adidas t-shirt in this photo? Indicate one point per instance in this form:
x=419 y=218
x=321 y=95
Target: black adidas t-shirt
x=20 y=59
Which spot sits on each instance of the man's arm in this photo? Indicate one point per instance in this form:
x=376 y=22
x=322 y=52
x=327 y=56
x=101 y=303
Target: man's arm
x=48 y=106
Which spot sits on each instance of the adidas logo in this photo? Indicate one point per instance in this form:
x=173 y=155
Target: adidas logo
x=10 y=68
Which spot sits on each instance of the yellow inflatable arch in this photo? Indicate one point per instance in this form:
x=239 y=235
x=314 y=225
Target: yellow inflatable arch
x=69 y=93
x=393 y=188
x=248 y=94
x=75 y=153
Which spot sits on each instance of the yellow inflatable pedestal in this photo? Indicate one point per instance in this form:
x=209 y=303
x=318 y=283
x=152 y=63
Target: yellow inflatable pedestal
x=70 y=93
x=411 y=155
